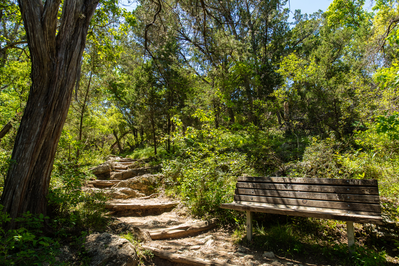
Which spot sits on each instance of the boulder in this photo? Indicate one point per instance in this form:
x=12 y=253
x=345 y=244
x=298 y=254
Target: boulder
x=145 y=183
x=136 y=172
x=111 y=250
x=102 y=171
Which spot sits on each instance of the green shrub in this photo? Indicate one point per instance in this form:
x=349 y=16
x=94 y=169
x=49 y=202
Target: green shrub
x=26 y=245
x=142 y=254
x=321 y=160
x=204 y=172
x=205 y=183
x=302 y=238
x=5 y=161
x=72 y=207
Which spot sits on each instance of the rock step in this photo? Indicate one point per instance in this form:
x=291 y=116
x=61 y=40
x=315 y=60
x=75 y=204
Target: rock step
x=134 y=206
x=183 y=230
x=183 y=259
x=125 y=174
x=120 y=169
x=205 y=248
x=119 y=192
x=129 y=162
x=139 y=207
x=152 y=222
x=103 y=183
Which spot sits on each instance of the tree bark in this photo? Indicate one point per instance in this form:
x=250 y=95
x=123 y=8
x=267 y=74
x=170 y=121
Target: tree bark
x=118 y=140
x=56 y=49
x=154 y=136
x=168 y=131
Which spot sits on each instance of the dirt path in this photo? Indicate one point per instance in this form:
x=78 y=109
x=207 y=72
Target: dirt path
x=173 y=237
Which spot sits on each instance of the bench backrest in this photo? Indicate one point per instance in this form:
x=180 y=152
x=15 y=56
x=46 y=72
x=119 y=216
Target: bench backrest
x=350 y=196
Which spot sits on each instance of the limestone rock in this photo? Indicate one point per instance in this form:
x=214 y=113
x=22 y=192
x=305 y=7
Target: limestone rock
x=125 y=193
x=269 y=254
x=102 y=171
x=103 y=183
x=118 y=227
x=140 y=171
x=65 y=255
x=116 y=175
x=145 y=183
x=110 y=250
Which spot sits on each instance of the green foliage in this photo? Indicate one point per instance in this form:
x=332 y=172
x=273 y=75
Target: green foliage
x=205 y=173
x=26 y=245
x=301 y=238
x=73 y=208
x=5 y=161
x=345 y=13
x=142 y=254
x=321 y=159
x=389 y=125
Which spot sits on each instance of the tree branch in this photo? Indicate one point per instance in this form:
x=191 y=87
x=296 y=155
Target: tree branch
x=149 y=25
x=5 y=129
x=12 y=45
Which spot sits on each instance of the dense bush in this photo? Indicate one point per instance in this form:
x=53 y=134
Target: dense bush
x=207 y=166
x=72 y=207
x=26 y=245
x=4 y=163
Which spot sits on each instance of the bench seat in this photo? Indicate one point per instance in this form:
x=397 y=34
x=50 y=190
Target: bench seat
x=302 y=212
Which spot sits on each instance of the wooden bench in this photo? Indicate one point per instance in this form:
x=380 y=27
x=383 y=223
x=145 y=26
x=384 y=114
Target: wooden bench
x=350 y=200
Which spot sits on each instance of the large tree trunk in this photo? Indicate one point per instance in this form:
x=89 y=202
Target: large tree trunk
x=55 y=66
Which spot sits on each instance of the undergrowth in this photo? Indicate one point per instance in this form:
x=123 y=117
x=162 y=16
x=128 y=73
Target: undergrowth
x=313 y=241
x=72 y=207
x=27 y=245
x=73 y=213
x=143 y=255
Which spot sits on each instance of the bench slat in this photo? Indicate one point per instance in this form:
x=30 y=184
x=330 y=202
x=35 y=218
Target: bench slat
x=310 y=195
x=326 y=181
x=312 y=188
x=304 y=212
x=375 y=208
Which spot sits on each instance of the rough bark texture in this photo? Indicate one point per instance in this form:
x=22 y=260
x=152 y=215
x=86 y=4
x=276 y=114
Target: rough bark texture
x=55 y=66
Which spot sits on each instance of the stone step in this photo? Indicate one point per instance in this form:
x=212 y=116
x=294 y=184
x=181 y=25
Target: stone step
x=119 y=192
x=103 y=183
x=183 y=230
x=139 y=207
x=126 y=174
x=184 y=259
x=211 y=248
x=151 y=222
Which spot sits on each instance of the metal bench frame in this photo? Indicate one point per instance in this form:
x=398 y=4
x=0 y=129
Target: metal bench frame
x=350 y=200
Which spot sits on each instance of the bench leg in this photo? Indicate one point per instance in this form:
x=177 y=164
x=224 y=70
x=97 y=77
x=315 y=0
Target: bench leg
x=249 y=225
x=351 y=235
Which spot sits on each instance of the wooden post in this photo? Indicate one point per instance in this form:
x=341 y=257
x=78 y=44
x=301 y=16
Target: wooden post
x=351 y=235
x=249 y=225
